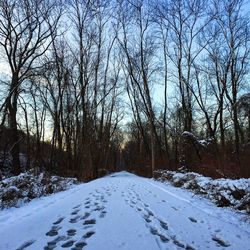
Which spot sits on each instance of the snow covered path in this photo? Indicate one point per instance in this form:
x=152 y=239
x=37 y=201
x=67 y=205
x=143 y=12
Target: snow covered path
x=122 y=211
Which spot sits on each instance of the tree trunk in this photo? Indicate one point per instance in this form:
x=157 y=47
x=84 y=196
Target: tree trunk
x=152 y=152
x=248 y=125
x=14 y=138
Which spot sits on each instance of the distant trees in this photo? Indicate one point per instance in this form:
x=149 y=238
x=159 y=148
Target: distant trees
x=97 y=81
x=139 y=51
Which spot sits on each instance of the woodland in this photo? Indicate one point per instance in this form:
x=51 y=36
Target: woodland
x=94 y=86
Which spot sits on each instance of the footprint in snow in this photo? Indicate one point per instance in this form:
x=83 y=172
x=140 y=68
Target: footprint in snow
x=75 y=219
x=75 y=212
x=52 y=244
x=188 y=247
x=146 y=218
x=26 y=244
x=192 y=219
x=102 y=214
x=68 y=244
x=79 y=245
x=162 y=237
x=53 y=231
x=176 y=209
x=150 y=213
x=85 y=216
x=163 y=224
x=153 y=231
x=177 y=242
x=89 y=222
x=71 y=232
x=98 y=208
x=58 y=221
x=220 y=242
x=88 y=234
x=77 y=206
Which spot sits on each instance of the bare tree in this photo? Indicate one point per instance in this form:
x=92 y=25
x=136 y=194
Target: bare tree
x=185 y=21
x=26 y=32
x=138 y=63
x=235 y=29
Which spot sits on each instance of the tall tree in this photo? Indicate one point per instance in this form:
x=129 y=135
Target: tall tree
x=27 y=28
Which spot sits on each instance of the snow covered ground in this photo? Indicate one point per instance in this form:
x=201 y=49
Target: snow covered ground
x=223 y=192
x=17 y=190
x=123 y=211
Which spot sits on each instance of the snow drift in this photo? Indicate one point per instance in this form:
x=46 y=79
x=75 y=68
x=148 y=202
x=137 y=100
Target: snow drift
x=223 y=192
x=15 y=191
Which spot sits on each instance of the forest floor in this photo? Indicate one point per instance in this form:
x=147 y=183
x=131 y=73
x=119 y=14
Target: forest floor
x=123 y=211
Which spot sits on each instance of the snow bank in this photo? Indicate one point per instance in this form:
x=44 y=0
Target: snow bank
x=17 y=190
x=223 y=192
